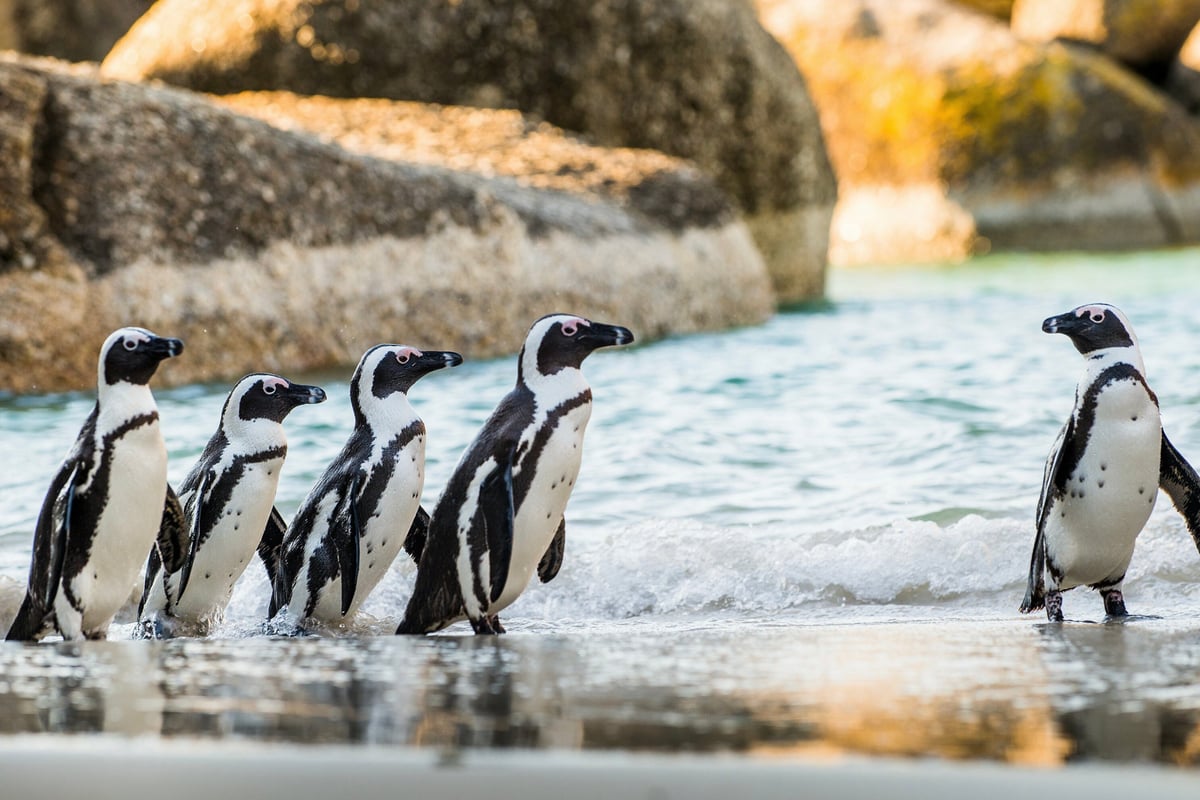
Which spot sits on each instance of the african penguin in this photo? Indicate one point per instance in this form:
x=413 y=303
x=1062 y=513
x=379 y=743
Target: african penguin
x=500 y=517
x=228 y=503
x=366 y=506
x=107 y=503
x=1104 y=470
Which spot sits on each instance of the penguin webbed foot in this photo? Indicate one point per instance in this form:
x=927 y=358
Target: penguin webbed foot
x=487 y=625
x=1114 y=603
x=1054 y=606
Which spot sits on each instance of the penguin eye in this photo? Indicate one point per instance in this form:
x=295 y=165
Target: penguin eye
x=403 y=358
x=269 y=388
x=1097 y=317
x=131 y=344
x=569 y=329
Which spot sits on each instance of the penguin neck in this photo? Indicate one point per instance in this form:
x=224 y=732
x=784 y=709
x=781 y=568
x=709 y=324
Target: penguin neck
x=550 y=391
x=384 y=415
x=121 y=401
x=1099 y=360
x=252 y=435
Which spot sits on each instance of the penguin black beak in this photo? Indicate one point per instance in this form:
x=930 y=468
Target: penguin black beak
x=599 y=334
x=302 y=395
x=162 y=347
x=431 y=360
x=1067 y=323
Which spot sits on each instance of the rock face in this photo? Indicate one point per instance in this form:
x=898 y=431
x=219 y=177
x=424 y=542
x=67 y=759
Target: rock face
x=1142 y=33
x=698 y=79
x=267 y=249
x=950 y=136
x=76 y=30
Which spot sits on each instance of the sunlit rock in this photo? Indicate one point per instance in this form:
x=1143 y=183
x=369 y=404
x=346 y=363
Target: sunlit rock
x=950 y=136
x=274 y=250
x=699 y=79
x=1183 y=80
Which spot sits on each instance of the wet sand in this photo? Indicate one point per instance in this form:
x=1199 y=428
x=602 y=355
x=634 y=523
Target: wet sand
x=106 y=768
x=1011 y=692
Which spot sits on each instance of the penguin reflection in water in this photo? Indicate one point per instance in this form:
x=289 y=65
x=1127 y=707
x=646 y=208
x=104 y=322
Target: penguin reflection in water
x=500 y=517
x=228 y=503
x=1104 y=471
x=107 y=503
x=366 y=506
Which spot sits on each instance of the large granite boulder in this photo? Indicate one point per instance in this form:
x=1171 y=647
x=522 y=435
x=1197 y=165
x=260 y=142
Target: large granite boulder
x=699 y=79
x=269 y=249
x=1141 y=33
x=76 y=30
x=950 y=136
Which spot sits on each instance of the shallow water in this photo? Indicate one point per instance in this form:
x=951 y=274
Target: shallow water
x=808 y=534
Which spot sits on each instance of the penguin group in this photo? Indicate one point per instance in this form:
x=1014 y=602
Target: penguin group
x=110 y=514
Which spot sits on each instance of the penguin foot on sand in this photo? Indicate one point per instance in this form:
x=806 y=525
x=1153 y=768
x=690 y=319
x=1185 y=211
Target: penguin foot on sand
x=1054 y=606
x=488 y=626
x=1114 y=603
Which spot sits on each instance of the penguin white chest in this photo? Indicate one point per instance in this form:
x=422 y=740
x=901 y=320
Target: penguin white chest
x=126 y=527
x=1091 y=530
x=555 y=469
x=231 y=542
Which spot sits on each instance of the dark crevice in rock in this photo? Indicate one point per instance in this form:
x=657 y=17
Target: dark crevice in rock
x=48 y=157
x=1172 y=227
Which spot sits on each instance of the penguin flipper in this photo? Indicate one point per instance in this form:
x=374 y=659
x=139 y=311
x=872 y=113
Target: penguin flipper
x=496 y=502
x=414 y=543
x=346 y=540
x=172 y=542
x=50 y=543
x=270 y=552
x=194 y=535
x=1035 y=589
x=552 y=560
x=1181 y=483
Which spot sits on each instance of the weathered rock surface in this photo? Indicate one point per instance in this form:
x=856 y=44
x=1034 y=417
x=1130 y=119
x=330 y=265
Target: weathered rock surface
x=950 y=136
x=1141 y=33
x=699 y=79
x=267 y=249
x=76 y=30
x=1001 y=9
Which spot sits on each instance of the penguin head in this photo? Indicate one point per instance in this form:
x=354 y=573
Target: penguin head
x=131 y=355
x=389 y=368
x=265 y=396
x=562 y=341
x=1093 y=327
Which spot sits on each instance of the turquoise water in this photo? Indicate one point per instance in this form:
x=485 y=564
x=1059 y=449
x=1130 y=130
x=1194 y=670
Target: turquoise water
x=765 y=519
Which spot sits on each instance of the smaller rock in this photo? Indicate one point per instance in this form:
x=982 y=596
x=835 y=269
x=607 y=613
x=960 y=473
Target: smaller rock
x=1141 y=33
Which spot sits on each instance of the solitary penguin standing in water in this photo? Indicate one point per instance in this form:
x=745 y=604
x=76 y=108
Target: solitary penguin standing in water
x=107 y=503
x=367 y=505
x=500 y=517
x=1104 y=471
x=228 y=503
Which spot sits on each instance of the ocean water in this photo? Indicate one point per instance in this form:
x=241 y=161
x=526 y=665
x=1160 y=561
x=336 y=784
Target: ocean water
x=806 y=535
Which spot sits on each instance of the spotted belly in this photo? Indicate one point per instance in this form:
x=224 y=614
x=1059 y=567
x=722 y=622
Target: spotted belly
x=382 y=537
x=125 y=531
x=541 y=510
x=230 y=546
x=1091 y=530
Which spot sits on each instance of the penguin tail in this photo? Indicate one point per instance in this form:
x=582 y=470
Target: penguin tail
x=1035 y=599
x=29 y=624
